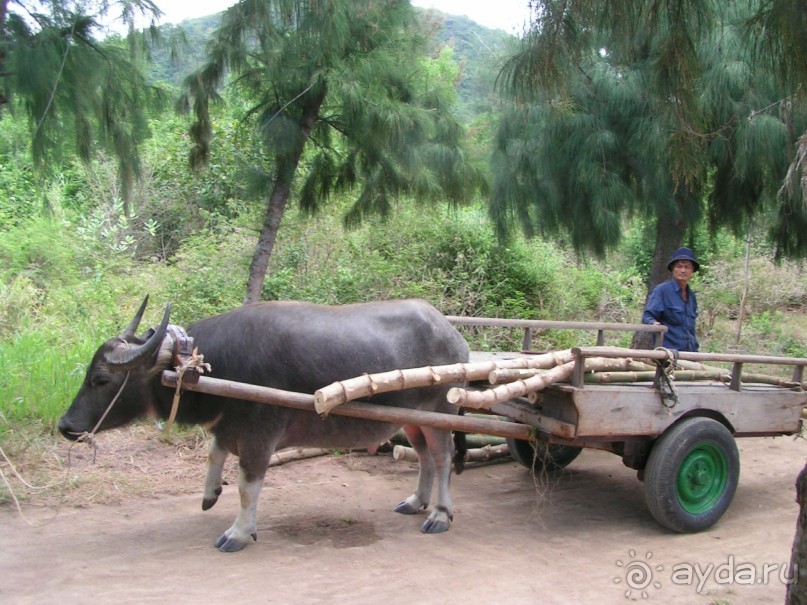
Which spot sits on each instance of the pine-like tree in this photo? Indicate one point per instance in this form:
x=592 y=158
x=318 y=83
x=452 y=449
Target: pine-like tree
x=79 y=93
x=659 y=108
x=338 y=101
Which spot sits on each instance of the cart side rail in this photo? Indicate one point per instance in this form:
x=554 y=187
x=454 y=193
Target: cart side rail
x=737 y=360
x=528 y=325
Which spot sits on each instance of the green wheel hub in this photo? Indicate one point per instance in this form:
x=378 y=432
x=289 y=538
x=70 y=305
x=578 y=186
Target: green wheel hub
x=702 y=478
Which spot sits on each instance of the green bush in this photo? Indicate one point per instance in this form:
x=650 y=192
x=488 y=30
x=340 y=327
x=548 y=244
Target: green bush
x=208 y=274
x=18 y=192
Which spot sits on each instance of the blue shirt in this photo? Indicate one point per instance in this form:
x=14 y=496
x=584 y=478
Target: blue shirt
x=666 y=306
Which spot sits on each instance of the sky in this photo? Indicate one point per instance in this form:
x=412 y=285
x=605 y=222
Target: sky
x=508 y=15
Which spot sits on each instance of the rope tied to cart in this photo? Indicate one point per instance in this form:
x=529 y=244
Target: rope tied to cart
x=666 y=377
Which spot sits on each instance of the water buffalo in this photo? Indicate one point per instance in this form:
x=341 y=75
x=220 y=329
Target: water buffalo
x=294 y=346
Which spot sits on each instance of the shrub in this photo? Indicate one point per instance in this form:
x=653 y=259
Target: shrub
x=42 y=249
x=208 y=274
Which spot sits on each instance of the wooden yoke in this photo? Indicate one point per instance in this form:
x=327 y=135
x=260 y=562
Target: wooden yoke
x=186 y=358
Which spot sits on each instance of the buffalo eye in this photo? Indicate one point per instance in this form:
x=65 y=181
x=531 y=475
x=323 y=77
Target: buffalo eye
x=99 y=380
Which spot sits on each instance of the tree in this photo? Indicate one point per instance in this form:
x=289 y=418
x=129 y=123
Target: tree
x=661 y=109
x=79 y=93
x=339 y=101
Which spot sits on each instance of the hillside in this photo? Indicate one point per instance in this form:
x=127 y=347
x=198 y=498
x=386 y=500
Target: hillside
x=478 y=50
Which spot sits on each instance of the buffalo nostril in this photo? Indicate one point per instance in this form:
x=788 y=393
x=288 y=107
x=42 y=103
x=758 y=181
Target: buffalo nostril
x=68 y=432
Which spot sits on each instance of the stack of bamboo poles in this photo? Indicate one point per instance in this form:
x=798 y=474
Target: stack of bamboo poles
x=481 y=449
x=525 y=376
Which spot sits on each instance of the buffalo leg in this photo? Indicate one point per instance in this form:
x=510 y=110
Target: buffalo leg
x=215 y=465
x=439 y=448
x=252 y=464
x=245 y=526
x=420 y=499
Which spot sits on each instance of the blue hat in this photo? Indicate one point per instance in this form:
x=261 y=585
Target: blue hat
x=683 y=254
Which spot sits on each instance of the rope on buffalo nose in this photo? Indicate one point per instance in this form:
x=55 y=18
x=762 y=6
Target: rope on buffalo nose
x=85 y=437
x=666 y=378
x=89 y=437
x=195 y=363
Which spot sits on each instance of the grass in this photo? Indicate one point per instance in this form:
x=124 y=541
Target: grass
x=38 y=377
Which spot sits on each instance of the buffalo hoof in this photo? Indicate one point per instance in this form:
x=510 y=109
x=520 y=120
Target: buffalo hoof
x=434 y=526
x=409 y=508
x=207 y=503
x=438 y=522
x=229 y=543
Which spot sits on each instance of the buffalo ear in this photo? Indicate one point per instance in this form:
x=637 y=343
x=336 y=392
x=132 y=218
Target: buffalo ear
x=125 y=358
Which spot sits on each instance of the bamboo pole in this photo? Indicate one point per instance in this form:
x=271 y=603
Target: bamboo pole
x=302 y=453
x=368 y=411
x=472 y=440
x=659 y=354
x=340 y=392
x=487 y=453
x=404 y=453
x=772 y=380
x=480 y=454
x=505 y=375
x=623 y=377
x=484 y=400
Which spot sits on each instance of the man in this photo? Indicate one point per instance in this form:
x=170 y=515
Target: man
x=673 y=303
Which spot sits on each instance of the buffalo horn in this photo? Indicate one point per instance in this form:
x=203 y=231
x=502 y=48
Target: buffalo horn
x=126 y=358
x=130 y=330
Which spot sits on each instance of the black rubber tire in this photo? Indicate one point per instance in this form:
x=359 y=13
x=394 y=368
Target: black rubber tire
x=691 y=475
x=542 y=457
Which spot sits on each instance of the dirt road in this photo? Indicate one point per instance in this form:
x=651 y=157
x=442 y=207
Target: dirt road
x=327 y=535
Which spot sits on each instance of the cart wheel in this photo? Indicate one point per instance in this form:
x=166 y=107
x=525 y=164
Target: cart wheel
x=542 y=456
x=691 y=475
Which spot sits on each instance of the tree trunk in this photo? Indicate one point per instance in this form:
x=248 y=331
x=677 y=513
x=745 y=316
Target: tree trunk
x=746 y=283
x=670 y=231
x=3 y=45
x=797 y=588
x=278 y=200
x=126 y=176
x=266 y=242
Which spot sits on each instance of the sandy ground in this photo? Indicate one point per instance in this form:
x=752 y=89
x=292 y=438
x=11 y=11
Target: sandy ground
x=327 y=534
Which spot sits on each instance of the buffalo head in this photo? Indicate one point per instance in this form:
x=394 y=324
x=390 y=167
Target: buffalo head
x=121 y=371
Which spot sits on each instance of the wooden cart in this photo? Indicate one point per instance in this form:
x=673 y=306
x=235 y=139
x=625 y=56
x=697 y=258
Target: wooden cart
x=678 y=433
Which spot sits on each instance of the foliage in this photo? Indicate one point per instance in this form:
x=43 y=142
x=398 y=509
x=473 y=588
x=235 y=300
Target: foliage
x=477 y=51
x=337 y=98
x=207 y=273
x=17 y=178
x=593 y=138
x=78 y=93
x=41 y=251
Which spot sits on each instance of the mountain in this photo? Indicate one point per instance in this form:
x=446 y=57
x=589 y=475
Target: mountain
x=479 y=51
